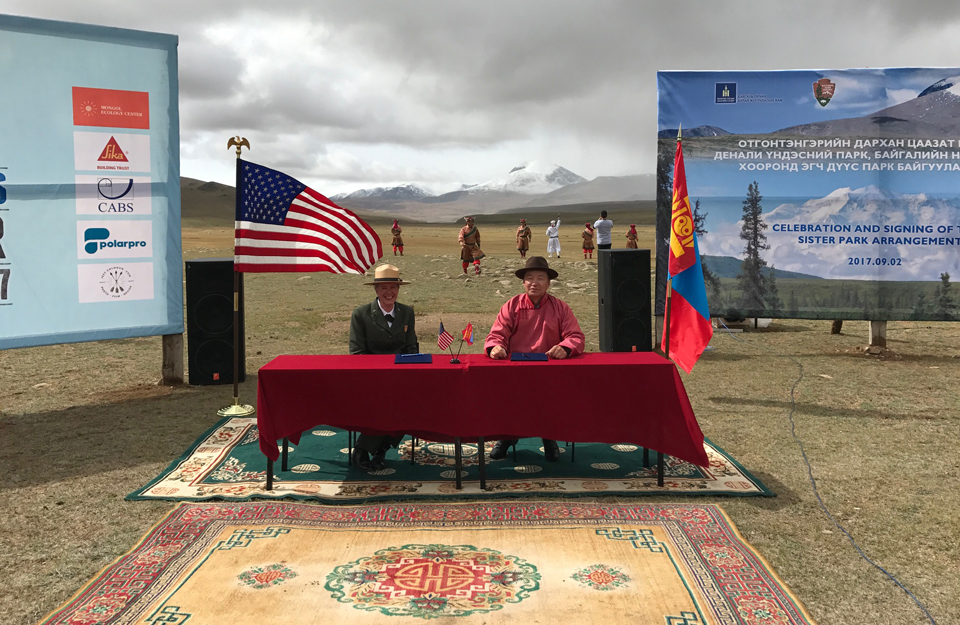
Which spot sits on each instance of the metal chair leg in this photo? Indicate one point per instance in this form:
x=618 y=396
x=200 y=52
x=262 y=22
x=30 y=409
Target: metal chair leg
x=660 y=468
x=483 y=473
x=413 y=450
x=284 y=465
x=458 y=457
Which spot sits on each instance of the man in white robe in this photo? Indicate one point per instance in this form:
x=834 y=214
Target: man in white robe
x=553 y=238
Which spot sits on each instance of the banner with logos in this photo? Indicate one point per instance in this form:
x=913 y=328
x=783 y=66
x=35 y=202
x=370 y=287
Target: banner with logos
x=89 y=184
x=820 y=194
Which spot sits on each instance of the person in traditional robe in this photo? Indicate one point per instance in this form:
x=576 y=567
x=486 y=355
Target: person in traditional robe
x=553 y=238
x=397 y=239
x=534 y=321
x=632 y=237
x=384 y=326
x=470 y=246
x=587 y=235
x=524 y=236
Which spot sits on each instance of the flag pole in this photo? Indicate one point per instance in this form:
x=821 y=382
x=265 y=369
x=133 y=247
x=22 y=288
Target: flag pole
x=666 y=312
x=237 y=409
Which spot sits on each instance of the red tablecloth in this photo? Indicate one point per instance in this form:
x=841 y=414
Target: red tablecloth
x=603 y=398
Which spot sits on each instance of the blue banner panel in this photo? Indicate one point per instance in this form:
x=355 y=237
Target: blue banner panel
x=819 y=194
x=89 y=184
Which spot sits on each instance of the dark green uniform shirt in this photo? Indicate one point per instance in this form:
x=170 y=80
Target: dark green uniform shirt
x=370 y=334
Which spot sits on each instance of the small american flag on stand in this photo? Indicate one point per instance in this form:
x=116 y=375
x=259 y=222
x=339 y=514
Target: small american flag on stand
x=446 y=339
x=283 y=225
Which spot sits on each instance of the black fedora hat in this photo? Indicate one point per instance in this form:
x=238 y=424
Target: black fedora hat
x=539 y=263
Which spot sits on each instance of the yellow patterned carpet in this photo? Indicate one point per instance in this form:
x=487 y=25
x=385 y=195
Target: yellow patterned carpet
x=478 y=563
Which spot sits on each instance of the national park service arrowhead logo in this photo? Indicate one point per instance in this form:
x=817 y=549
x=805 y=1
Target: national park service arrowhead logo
x=823 y=90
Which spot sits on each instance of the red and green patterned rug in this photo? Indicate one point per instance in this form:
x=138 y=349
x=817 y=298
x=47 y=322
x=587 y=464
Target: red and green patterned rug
x=226 y=463
x=477 y=562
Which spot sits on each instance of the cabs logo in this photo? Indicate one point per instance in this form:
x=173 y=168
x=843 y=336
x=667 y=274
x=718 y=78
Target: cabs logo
x=112 y=153
x=823 y=91
x=96 y=239
x=116 y=195
x=3 y=191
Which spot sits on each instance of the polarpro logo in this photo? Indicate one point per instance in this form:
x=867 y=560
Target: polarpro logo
x=96 y=239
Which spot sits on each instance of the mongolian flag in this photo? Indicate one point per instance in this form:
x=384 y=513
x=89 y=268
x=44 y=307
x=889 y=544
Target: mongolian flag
x=690 y=329
x=468 y=334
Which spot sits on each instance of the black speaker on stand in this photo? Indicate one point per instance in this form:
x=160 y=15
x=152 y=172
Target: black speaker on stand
x=624 y=297
x=210 y=322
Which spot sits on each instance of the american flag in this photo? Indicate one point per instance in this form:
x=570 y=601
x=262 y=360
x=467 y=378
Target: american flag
x=283 y=225
x=445 y=339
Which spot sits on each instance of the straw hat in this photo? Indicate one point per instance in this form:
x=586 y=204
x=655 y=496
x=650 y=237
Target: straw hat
x=536 y=262
x=386 y=274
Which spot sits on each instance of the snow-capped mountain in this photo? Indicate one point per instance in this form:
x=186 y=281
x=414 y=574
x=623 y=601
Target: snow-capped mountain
x=947 y=83
x=402 y=192
x=533 y=178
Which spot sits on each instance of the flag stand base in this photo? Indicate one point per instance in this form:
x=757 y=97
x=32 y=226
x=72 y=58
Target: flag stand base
x=237 y=409
x=454 y=361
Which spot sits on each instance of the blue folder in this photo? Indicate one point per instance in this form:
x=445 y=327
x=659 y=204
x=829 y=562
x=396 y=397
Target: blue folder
x=406 y=359
x=527 y=356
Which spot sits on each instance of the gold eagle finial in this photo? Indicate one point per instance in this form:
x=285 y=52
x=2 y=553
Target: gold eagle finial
x=239 y=142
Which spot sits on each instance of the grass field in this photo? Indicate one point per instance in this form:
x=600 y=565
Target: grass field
x=83 y=425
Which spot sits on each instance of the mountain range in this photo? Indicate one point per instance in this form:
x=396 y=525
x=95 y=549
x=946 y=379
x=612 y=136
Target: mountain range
x=531 y=184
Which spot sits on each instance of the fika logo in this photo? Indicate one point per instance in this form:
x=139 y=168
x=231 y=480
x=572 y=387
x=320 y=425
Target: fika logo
x=96 y=239
x=112 y=153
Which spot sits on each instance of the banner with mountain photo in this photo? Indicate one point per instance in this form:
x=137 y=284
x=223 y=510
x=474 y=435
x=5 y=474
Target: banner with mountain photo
x=818 y=194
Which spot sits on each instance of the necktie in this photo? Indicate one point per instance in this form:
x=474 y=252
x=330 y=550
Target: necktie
x=389 y=318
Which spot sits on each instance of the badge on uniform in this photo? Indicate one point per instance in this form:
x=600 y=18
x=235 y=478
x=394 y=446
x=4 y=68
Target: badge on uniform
x=404 y=328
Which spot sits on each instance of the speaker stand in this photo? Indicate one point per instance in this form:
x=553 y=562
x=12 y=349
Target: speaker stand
x=237 y=409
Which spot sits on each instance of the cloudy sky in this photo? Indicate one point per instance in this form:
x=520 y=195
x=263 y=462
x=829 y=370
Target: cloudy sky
x=362 y=93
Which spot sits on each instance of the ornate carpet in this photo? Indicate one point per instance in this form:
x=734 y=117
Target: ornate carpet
x=226 y=462
x=475 y=562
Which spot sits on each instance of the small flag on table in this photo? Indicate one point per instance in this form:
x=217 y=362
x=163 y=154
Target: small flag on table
x=284 y=225
x=445 y=339
x=468 y=334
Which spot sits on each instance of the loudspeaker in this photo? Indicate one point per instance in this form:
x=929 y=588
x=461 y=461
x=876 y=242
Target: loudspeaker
x=210 y=321
x=624 y=294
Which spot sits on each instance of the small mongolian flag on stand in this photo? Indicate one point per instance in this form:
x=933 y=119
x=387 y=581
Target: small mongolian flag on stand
x=468 y=334
x=686 y=329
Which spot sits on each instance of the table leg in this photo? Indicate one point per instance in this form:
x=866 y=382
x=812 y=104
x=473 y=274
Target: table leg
x=659 y=468
x=573 y=451
x=269 y=474
x=458 y=460
x=646 y=457
x=284 y=465
x=413 y=450
x=349 y=448
x=483 y=473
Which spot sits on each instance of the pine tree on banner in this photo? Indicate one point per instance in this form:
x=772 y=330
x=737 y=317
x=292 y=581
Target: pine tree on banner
x=283 y=225
x=688 y=331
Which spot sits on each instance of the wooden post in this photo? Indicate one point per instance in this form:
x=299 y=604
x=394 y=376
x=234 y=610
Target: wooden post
x=878 y=334
x=172 y=370
x=837 y=326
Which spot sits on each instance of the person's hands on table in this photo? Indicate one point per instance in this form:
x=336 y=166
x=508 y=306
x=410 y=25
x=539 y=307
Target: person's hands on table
x=498 y=353
x=557 y=353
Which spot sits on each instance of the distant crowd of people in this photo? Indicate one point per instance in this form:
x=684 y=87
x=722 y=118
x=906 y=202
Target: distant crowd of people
x=469 y=239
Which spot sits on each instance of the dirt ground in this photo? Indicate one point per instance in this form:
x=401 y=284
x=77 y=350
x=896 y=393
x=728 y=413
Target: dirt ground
x=82 y=425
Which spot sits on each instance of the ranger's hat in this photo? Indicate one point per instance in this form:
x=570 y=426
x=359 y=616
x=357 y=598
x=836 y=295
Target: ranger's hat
x=536 y=262
x=386 y=274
